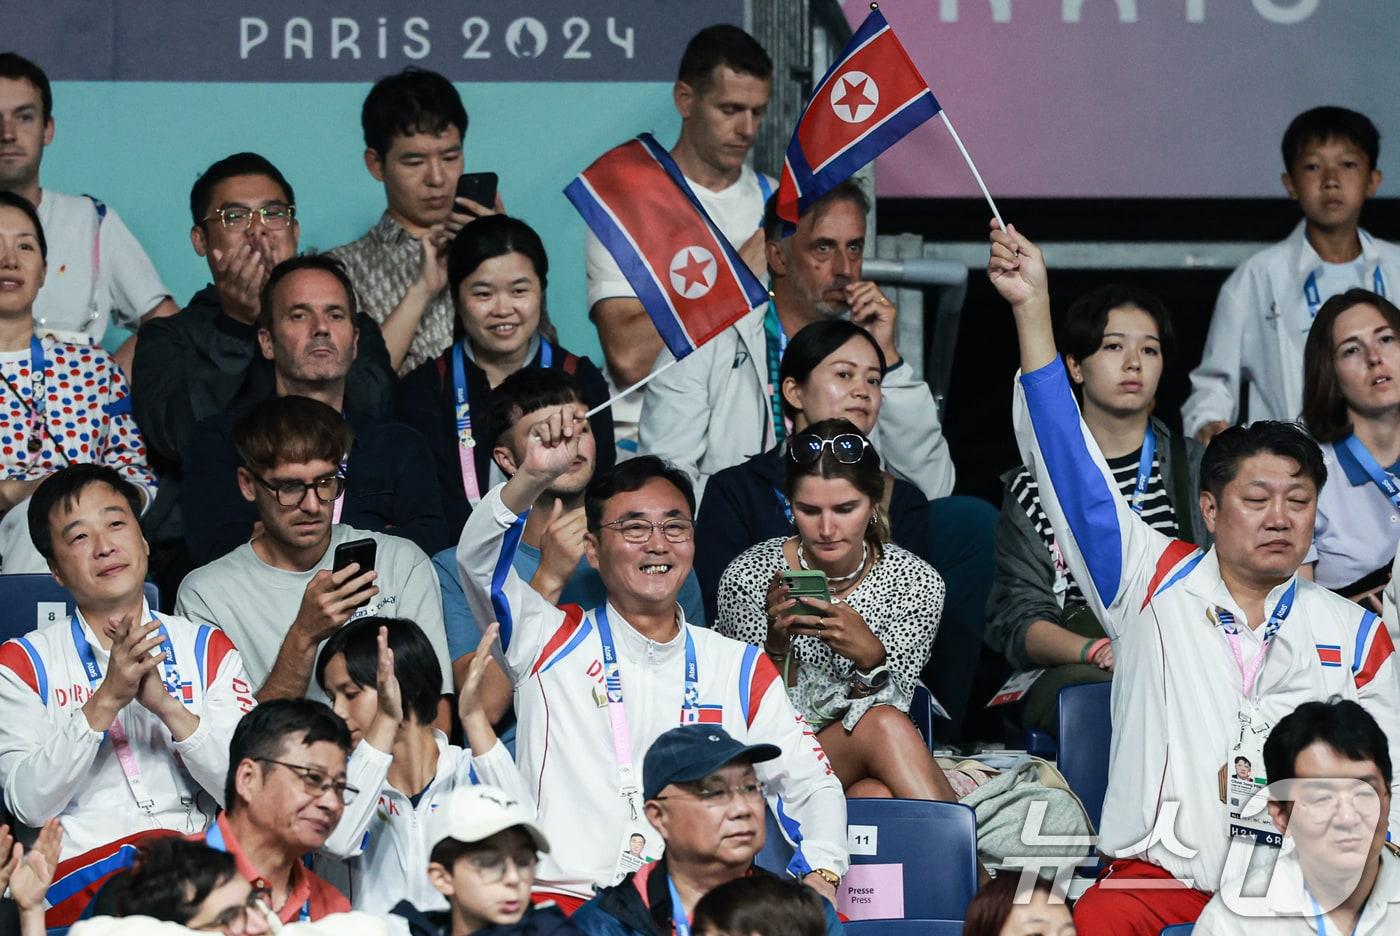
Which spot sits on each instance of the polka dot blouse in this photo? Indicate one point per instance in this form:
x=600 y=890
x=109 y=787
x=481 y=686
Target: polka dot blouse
x=900 y=599
x=83 y=415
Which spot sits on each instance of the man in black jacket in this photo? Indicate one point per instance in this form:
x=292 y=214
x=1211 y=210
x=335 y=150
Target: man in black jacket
x=205 y=360
x=306 y=328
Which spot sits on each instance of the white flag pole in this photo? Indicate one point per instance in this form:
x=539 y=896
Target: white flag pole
x=636 y=386
x=975 y=174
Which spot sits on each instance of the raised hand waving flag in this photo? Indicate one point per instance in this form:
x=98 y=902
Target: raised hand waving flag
x=689 y=278
x=870 y=98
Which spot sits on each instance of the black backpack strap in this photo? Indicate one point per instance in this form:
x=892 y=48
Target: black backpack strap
x=1181 y=490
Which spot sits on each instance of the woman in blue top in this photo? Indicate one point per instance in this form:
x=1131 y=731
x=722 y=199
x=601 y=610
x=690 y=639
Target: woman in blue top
x=1351 y=405
x=497 y=271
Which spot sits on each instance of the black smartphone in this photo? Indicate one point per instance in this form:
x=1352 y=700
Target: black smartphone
x=360 y=551
x=480 y=187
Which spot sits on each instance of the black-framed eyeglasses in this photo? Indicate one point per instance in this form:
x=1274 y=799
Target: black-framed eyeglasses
x=240 y=217
x=291 y=493
x=636 y=530
x=315 y=781
x=491 y=865
x=718 y=797
x=847 y=448
x=234 y=920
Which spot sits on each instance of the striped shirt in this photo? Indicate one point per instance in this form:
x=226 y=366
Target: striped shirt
x=1156 y=510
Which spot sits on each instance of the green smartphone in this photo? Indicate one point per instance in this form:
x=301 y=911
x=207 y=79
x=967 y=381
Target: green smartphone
x=806 y=583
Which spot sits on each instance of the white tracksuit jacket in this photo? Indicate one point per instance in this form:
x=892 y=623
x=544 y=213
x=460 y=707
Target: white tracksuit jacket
x=385 y=840
x=1176 y=685
x=53 y=764
x=565 y=746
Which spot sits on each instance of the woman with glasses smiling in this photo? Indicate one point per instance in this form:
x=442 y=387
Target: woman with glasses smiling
x=850 y=662
x=185 y=881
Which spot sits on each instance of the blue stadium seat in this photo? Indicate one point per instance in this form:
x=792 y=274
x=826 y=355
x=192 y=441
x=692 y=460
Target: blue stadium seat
x=1085 y=729
x=1041 y=744
x=1180 y=929
x=921 y=711
x=904 y=928
x=20 y=596
x=776 y=852
x=921 y=835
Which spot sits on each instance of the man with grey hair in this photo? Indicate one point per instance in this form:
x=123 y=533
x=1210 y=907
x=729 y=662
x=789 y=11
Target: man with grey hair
x=721 y=404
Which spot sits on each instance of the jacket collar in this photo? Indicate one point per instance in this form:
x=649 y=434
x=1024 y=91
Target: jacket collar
x=1204 y=582
x=1306 y=259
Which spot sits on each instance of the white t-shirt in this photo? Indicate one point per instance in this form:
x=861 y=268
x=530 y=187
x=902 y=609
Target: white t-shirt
x=737 y=211
x=1333 y=279
x=126 y=285
x=255 y=603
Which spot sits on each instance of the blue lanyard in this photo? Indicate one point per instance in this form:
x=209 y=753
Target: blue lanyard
x=214 y=838
x=94 y=672
x=1318 y=916
x=1144 y=472
x=678 y=917
x=1379 y=476
x=787 y=508
x=461 y=397
x=777 y=341
x=1313 y=295
x=613 y=678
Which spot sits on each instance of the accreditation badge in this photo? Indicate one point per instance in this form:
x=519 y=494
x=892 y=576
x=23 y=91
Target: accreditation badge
x=641 y=843
x=1243 y=780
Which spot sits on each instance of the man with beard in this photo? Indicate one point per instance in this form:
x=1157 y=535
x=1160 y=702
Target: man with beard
x=720 y=405
x=280 y=592
x=307 y=329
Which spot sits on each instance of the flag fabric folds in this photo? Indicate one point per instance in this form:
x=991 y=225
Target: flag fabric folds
x=689 y=278
x=868 y=100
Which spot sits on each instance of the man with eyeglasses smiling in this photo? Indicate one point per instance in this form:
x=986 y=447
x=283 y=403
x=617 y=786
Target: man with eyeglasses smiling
x=592 y=688
x=279 y=593
x=704 y=799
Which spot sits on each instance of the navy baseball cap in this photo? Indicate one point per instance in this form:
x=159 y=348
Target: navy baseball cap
x=693 y=752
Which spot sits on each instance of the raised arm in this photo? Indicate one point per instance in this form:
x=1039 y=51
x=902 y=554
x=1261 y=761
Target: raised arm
x=486 y=552
x=1111 y=552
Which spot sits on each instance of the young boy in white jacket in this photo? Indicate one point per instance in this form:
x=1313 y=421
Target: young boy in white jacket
x=382 y=676
x=1267 y=306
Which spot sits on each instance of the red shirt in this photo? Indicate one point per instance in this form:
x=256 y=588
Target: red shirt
x=310 y=897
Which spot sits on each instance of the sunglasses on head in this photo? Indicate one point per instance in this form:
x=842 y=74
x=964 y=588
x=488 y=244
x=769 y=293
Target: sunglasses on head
x=847 y=448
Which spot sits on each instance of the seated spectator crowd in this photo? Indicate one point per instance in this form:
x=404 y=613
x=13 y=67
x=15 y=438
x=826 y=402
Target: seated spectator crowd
x=357 y=592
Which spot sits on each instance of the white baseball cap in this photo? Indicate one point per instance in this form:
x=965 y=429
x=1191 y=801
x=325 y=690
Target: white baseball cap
x=478 y=812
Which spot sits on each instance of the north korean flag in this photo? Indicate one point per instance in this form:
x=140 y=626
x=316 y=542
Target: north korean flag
x=686 y=274
x=868 y=100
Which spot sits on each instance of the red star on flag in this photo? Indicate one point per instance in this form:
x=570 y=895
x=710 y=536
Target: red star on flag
x=854 y=95
x=693 y=272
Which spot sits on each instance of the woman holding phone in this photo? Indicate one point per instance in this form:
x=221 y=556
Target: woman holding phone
x=850 y=659
x=1351 y=405
x=498 y=272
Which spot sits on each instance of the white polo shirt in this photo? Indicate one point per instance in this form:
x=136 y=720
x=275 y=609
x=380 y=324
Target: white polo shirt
x=1358 y=527
x=97 y=271
x=1287 y=911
